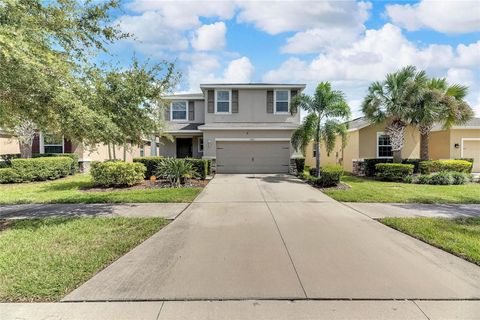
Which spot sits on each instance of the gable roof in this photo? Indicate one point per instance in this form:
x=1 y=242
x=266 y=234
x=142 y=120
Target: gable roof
x=363 y=122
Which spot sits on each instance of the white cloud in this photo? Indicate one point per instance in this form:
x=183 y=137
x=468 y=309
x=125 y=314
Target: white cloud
x=210 y=37
x=282 y=16
x=162 y=25
x=370 y=58
x=443 y=16
x=320 y=39
x=239 y=70
x=469 y=56
x=205 y=68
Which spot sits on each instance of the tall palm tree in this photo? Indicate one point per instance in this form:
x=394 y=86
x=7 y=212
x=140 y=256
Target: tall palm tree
x=392 y=100
x=442 y=104
x=327 y=110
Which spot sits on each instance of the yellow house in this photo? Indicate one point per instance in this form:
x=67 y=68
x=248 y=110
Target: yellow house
x=366 y=140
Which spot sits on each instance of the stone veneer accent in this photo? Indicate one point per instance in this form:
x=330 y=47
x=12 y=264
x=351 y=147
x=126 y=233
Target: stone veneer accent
x=358 y=167
x=292 y=168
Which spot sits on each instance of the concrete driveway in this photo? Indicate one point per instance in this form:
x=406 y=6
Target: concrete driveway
x=274 y=237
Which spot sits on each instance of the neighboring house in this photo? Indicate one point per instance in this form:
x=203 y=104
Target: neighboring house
x=366 y=140
x=47 y=143
x=243 y=128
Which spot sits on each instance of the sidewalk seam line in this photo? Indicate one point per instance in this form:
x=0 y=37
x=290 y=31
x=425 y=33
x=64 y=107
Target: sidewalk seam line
x=283 y=240
x=160 y=311
x=415 y=303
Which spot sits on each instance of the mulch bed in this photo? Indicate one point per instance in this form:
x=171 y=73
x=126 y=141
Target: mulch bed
x=147 y=184
x=340 y=186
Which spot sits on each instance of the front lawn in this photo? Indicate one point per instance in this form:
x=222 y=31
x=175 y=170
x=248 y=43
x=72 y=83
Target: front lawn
x=460 y=236
x=369 y=190
x=43 y=260
x=70 y=190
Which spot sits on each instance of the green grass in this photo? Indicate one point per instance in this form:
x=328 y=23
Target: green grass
x=368 y=190
x=460 y=236
x=43 y=260
x=68 y=190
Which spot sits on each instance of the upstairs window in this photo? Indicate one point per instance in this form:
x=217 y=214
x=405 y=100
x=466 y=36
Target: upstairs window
x=178 y=111
x=223 y=101
x=384 y=146
x=52 y=143
x=282 y=100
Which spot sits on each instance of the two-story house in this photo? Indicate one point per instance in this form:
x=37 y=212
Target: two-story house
x=243 y=128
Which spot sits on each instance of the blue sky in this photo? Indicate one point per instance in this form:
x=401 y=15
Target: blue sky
x=350 y=43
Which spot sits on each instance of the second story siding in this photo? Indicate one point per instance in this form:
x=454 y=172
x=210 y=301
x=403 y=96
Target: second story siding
x=251 y=104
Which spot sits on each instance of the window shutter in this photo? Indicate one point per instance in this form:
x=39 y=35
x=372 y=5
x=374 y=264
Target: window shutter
x=167 y=113
x=191 y=110
x=211 y=101
x=234 y=101
x=270 y=101
x=293 y=93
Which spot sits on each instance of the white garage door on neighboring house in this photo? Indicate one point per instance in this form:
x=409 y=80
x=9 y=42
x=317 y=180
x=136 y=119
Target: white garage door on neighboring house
x=253 y=156
x=471 y=149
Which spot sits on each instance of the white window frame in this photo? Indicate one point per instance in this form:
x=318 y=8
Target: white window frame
x=381 y=133
x=200 y=144
x=275 y=102
x=42 y=144
x=171 y=110
x=229 y=101
x=142 y=150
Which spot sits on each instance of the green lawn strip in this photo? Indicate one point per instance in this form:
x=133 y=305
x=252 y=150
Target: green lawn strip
x=43 y=260
x=369 y=190
x=69 y=190
x=459 y=236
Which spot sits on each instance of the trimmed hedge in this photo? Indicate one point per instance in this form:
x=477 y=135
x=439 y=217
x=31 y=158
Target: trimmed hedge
x=393 y=171
x=300 y=165
x=371 y=163
x=117 y=174
x=201 y=166
x=151 y=164
x=444 y=178
x=9 y=175
x=329 y=176
x=74 y=157
x=40 y=169
x=431 y=166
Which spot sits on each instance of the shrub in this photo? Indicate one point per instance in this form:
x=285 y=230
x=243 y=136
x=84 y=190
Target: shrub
x=422 y=179
x=415 y=162
x=460 y=177
x=201 y=166
x=176 y=171
x=300 y=165
x=73 y=156
x=117 y=174
x=431 y=166
x=330 y=175
x=9 y=175
x=312 y=171
x=40 y=169
x=150 y=163
x=371 y=163
x=393 y=171
x=441 y=178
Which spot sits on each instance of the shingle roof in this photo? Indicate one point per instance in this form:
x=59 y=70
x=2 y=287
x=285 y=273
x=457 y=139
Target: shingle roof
x=249 y=125
x=358 y=123
x=172 y=126
x=473 y=123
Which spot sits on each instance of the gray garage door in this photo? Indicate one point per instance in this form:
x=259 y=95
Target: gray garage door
x=253 y=156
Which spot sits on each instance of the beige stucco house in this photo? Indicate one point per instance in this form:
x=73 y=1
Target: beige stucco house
x=243 y=128
x=45 y=143
x=366 y=140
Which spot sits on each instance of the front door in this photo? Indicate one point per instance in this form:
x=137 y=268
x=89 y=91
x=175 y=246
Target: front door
x=184 y=147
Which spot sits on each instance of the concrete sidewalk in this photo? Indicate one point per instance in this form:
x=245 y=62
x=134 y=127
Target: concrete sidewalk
x=27 y=211
x=385 y=210
x=245 y=310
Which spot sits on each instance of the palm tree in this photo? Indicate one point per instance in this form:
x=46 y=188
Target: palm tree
x=327 y=110
x=440 y=104
x=392 y=100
